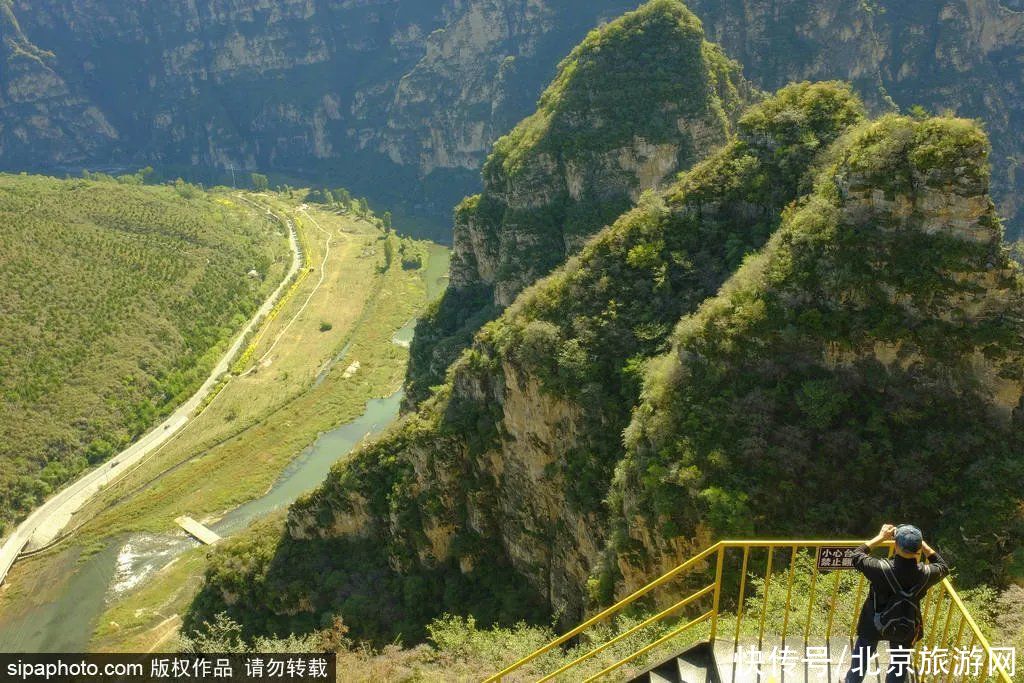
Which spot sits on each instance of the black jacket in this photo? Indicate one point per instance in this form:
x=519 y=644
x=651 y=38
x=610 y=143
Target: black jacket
x=908 y=573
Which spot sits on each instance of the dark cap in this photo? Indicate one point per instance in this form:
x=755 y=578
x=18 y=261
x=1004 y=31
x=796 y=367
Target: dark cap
x=908 y=538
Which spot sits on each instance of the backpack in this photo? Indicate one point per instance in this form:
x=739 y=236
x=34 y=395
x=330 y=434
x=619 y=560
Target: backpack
x=900 y=616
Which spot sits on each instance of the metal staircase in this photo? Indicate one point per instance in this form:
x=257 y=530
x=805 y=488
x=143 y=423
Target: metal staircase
x=695 y=665
x=777 y=611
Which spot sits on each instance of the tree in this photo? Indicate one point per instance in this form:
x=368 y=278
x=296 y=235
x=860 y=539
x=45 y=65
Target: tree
x=389 y=252
x=260 y=182
x=387 y=221
x=186 y=190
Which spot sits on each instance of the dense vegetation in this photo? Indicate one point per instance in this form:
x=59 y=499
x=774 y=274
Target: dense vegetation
x=847 y=350
x=772 y=388
x=267 y=572
x=117 y=299
x=639 y=75
x=586 y=331
x=645 y=85
x=460 y=648
x=869 y=359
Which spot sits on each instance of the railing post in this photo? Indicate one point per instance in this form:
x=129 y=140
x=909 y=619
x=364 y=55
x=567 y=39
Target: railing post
x=789 y=593
x=764 y=601
x=810 y=603
x=718 y=592
x=956 y=641
x=739 y=604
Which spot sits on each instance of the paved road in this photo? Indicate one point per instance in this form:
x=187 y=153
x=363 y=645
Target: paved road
x=48 y=520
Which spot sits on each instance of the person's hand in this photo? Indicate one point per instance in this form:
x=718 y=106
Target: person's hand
x=926 y=549
x=884 y=534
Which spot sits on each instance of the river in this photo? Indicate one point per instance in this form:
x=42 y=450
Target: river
x=66 y=623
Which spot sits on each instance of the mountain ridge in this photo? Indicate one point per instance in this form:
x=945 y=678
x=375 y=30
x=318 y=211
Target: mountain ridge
x=819 y=289
x=441 y=80
x=623 y=114
x=890 y=299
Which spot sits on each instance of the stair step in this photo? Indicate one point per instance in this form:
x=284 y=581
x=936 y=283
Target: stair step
x=699 y=664
x=655 y=677
x=692 y=673
x=734 y=666
x=695 y=665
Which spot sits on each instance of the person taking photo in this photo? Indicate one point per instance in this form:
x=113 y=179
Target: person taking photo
x=892 y=610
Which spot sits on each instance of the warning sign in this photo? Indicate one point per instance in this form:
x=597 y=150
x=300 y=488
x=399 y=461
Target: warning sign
x=835 y=557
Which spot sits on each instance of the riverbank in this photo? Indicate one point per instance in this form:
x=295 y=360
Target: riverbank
x=240 y=455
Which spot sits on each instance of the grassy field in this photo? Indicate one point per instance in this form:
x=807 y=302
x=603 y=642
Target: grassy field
x=291 y=388
x=117 y=299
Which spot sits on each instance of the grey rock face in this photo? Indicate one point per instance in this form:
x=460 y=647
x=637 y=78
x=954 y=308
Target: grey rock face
x=402 y=99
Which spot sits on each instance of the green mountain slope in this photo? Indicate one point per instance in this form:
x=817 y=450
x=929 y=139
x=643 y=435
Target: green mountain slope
x=502 y=475
x=869 y=363
x=846 y=315
x=117 y=300
x=637 y=101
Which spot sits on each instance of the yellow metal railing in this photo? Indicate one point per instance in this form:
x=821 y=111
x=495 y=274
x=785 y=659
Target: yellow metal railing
x=700 y=591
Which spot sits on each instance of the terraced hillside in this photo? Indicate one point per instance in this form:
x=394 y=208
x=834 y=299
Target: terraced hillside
x=116 y=300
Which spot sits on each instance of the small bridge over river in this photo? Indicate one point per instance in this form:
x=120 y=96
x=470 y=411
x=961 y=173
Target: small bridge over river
x=201 y=533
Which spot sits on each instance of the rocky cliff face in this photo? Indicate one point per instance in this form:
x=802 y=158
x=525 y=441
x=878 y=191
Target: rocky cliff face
x=636 y=102
x=177 y=80
x=402 y=99
x=510 y=463
x=534 y=411
x=373 y=94
x=876 y=341
x=844 y=310
x=477 y=77
x=42 y=114
x=964 y=56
